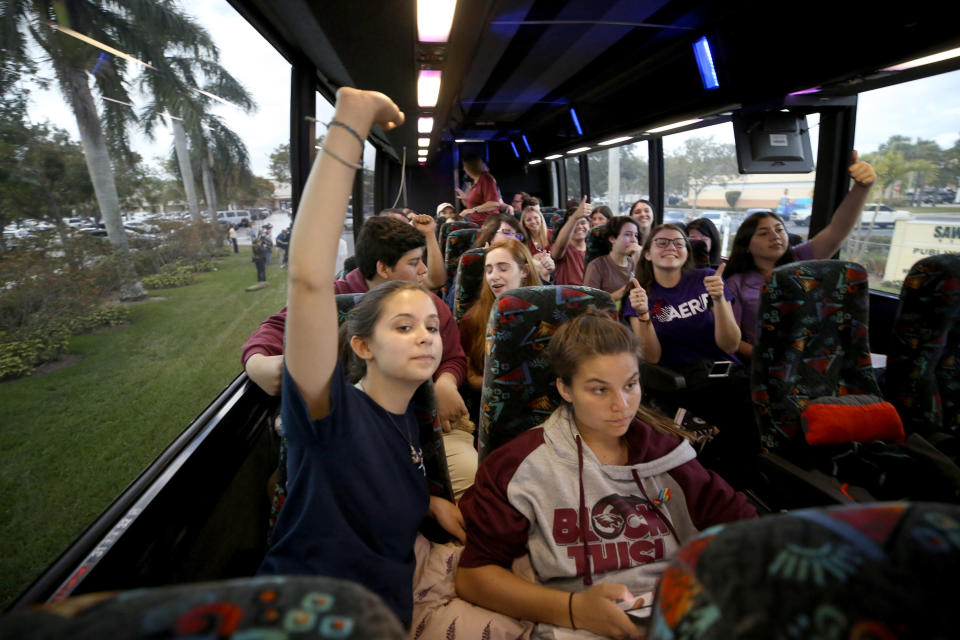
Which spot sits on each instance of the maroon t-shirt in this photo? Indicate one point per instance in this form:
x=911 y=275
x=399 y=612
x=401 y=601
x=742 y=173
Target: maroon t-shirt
x=570 y=267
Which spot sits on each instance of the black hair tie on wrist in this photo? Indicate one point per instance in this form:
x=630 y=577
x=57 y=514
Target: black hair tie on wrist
x=570 y=609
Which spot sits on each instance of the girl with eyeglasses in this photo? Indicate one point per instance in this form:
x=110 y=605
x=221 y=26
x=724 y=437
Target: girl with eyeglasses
x=683 y=319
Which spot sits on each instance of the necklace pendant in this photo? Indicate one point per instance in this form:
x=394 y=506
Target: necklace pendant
x=415 y=457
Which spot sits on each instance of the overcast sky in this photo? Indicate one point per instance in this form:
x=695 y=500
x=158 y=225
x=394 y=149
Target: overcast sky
x=928 y=108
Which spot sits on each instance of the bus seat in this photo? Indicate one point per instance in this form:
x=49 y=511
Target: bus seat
x=519 y=389
x=468 y=282
x=842 y=571
x=923 y=365
x=431 y=442
x=450 y=226
x=262 y=607
x=812 y=344
x=458 y=242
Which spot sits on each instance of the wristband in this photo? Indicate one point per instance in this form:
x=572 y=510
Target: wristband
x=642 y=319
x=570 y=610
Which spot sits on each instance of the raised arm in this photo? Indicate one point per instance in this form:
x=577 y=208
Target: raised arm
x=637 y=309
x=436 y=269
x=725 y=329
x=830 y=239
x=311 y=331
x=566 y=231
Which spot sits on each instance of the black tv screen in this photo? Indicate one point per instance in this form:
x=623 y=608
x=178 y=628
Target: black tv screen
x=773 y=142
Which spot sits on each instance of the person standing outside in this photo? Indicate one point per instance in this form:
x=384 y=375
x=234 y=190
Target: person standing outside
x=260 y=257
x=232 y=234
x=283 y=243
x=267 y=240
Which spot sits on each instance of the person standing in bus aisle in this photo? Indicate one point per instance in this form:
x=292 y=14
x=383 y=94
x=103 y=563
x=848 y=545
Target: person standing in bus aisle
x=570 y=247
x=259 y=250
x=517 y=203
x=357 y=486
x=283 y=243
x=600 y=464
x=538 y=238
x=483 y=197
x=683 y=319
x=761 y=244
x=386 y=249
x=232 y=235
x=642 y=212
x=612 y=272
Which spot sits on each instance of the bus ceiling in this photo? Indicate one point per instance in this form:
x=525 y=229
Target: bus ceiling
x=515 y=68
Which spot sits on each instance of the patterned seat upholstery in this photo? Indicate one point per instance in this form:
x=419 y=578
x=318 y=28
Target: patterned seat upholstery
x=519 y=389
x=263 y=607
x=923 y=366
x=431 y=440
x=845 y=572
x=468 y=281
x=457 y=244
x=453 y=225
x=811 y=342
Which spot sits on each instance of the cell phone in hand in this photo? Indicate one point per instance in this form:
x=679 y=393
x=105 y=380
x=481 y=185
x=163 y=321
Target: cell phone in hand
x=720 y=369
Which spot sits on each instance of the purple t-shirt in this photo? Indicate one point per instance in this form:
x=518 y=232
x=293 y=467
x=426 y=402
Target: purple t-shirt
x=745 y=289
x=683 y=320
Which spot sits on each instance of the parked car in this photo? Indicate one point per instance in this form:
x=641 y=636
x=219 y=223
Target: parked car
x=240 y=218
x=673 y=216
x=802 y=216
x=881 y=215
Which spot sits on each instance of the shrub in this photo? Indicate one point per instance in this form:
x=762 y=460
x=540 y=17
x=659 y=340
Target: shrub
x=179 y=277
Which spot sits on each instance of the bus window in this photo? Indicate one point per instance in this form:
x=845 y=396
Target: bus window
x=572 y=166
x=619 y=176
x=702 y=180
x=909 y=133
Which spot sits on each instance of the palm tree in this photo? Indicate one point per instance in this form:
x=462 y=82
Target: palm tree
x=174 y=90
x=123 y=25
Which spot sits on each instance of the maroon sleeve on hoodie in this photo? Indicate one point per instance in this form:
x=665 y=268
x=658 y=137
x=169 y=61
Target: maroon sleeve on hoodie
x=496 y=532
x=453 y=360
x=267 y=339
x=710 y=500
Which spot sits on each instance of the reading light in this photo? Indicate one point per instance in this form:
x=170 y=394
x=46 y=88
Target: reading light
x=428 y=87
x=919 y=62
x=424 y=125
x=578 y=150
x=514 y=147
x=423 y=142
x=461 y=140
x=708 y=72
x=554 y=156
x=423 y=152
x=615 y=140
x=525 y=143
x=422 y=164
x=535 y=162
x=576 y=121
x=675 y=125
x=434 y=18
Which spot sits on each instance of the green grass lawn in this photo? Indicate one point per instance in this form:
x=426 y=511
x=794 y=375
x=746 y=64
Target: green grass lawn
x=72 y=439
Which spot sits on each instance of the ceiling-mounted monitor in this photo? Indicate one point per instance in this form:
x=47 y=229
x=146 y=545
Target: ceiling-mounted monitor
x=773 y=142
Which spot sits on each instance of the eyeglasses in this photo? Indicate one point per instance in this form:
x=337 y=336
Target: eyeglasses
x=510 y=233
x=663 y=243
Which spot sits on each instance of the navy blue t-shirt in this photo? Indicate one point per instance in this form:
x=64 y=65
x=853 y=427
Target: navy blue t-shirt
x=354 y=497
x=683 y=320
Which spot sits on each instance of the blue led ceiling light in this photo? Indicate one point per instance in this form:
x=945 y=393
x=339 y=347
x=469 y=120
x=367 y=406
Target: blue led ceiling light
x=708 y=72
x=514 y=147
x=576 y=121
x=525 y=143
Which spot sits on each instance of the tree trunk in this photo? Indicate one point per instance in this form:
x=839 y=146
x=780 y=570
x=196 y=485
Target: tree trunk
x=186 y=171
x=209 y=190
x=74 y=85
